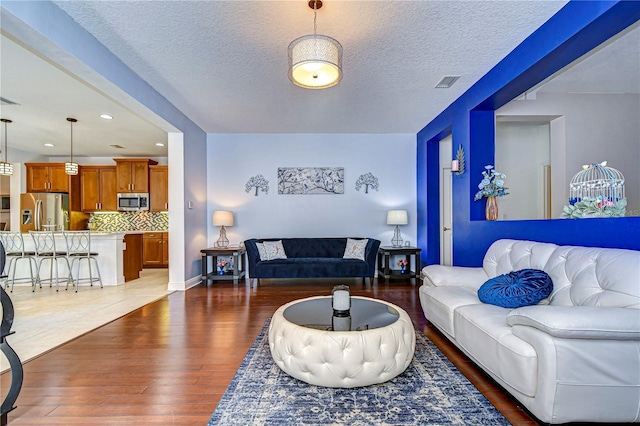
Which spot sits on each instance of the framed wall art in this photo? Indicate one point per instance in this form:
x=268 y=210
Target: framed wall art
x=310 y=180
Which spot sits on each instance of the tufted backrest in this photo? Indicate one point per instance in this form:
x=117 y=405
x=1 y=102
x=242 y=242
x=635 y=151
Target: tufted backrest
x=582 y=276
x=317 y=247
x=314 y=247
x=505 y=256
x=588 y=276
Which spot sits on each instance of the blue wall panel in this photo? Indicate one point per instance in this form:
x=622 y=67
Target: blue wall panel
x=576 y=29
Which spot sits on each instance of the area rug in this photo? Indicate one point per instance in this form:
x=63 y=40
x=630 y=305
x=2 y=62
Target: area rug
x=430 y=392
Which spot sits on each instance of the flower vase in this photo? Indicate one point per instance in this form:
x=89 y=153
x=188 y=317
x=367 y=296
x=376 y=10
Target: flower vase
x=402 y=269
x=220 y=270
x=491 y=209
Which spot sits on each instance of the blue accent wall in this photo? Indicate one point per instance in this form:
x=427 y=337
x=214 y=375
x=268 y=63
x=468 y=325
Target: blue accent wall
x=575 y=30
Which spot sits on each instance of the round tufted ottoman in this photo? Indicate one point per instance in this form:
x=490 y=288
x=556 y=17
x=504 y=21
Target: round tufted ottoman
x=379 y=347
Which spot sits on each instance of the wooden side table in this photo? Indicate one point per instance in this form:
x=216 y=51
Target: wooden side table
x=238 y=263
x=384 y=268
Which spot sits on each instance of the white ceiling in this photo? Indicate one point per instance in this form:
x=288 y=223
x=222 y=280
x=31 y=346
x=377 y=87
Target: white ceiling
x=224 y=65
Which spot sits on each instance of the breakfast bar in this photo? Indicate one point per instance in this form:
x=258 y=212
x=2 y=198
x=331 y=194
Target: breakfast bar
x=109 y=246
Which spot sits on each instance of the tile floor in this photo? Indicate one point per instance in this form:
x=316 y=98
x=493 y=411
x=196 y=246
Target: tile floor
x=45 y=319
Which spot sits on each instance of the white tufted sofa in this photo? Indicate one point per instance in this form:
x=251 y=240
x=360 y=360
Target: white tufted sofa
x=342 y=359
x=573 y=357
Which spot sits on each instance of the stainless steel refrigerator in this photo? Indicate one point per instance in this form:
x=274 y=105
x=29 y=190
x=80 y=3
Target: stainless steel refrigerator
x=44 y=211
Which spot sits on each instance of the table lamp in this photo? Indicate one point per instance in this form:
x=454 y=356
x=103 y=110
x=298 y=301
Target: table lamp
x=397 y=218
x=222 y=218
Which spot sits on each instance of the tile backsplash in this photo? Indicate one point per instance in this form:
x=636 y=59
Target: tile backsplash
x=130 y=221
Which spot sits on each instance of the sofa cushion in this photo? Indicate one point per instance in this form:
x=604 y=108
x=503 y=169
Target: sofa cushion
x=443 y=301
x=274 y=250
x=482 y=331
x=262 y=252
x=590 y=276
x=310 y=267
x=517 y=288
x=504 y=256
x=355 y=249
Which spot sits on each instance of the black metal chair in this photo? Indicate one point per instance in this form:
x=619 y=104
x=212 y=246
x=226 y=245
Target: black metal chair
x=17 y=373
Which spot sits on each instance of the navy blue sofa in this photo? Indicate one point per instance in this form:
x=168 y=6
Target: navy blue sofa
x=312 y=258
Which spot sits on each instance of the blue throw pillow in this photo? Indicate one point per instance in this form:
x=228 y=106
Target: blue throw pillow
x=515 y=289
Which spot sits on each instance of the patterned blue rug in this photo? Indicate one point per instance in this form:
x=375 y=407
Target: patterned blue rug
x=430 y=392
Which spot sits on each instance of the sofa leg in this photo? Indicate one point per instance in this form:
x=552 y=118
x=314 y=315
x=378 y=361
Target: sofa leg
x=371 y=280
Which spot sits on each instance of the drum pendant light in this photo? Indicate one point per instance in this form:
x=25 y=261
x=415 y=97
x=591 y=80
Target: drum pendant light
x=315 y=61
x=70 y=167
x=6 y=168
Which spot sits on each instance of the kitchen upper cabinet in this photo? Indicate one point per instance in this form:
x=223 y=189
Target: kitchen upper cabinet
x=159 y=188
x=155 y=249
x=47 y=177
x=98 y=185
x=133 y=174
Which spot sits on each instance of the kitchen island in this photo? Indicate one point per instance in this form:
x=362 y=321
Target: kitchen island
x=110 y=247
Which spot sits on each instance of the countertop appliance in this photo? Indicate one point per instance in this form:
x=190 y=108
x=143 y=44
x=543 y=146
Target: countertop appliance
x=44 y=211
x=133 y=202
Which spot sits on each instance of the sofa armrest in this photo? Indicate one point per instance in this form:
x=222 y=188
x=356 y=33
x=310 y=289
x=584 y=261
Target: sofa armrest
x=253 y=256
x=371 y=255
x=580 y=322
x=453 y=276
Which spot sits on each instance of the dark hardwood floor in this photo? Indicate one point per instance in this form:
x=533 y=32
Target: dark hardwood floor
x=170 y=361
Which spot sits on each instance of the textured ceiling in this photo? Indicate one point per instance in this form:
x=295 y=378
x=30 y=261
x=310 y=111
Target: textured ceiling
x=224 y=64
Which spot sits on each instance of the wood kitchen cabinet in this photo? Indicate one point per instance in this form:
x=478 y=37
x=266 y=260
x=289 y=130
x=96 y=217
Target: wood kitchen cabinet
x=155 y=249
x=98 y=188
x=159 y=188
x=47 y=177
x=133 y=174
x=132 y=256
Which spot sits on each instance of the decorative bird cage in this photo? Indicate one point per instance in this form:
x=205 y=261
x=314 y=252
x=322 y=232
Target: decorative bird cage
x=597 y=181
x=596 y=191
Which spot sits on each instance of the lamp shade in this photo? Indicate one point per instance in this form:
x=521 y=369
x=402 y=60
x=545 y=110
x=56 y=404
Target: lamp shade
x=315 y=61
x=397 y=217
x=222 y=218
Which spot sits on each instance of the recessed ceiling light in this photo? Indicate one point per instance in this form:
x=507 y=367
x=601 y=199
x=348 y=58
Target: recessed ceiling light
x=49 y=144
x=159 y=144
x=106 y=116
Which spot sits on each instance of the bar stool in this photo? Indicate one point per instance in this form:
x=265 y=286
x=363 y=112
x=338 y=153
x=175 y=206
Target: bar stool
x=45 y=245
x=14 y=248
x=79 y=249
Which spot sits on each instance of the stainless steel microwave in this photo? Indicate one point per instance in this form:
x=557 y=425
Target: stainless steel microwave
x=133 y=202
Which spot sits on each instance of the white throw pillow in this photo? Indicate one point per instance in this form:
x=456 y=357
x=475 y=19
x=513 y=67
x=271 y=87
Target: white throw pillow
x=274 y=250
x=355 y=249
x=261 y=251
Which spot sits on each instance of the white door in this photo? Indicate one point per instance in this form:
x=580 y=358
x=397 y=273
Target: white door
x=446 y=213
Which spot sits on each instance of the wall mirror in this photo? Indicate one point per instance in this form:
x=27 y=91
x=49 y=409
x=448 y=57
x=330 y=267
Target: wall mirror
x=586 y=113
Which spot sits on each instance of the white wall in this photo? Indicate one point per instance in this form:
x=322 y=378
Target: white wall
x=598 y=127
x=234 y=158
x=522 y=151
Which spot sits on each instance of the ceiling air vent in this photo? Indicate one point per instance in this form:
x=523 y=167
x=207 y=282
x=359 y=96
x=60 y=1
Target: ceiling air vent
x=117 y=146
x=447 y=81
x=5 y=101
